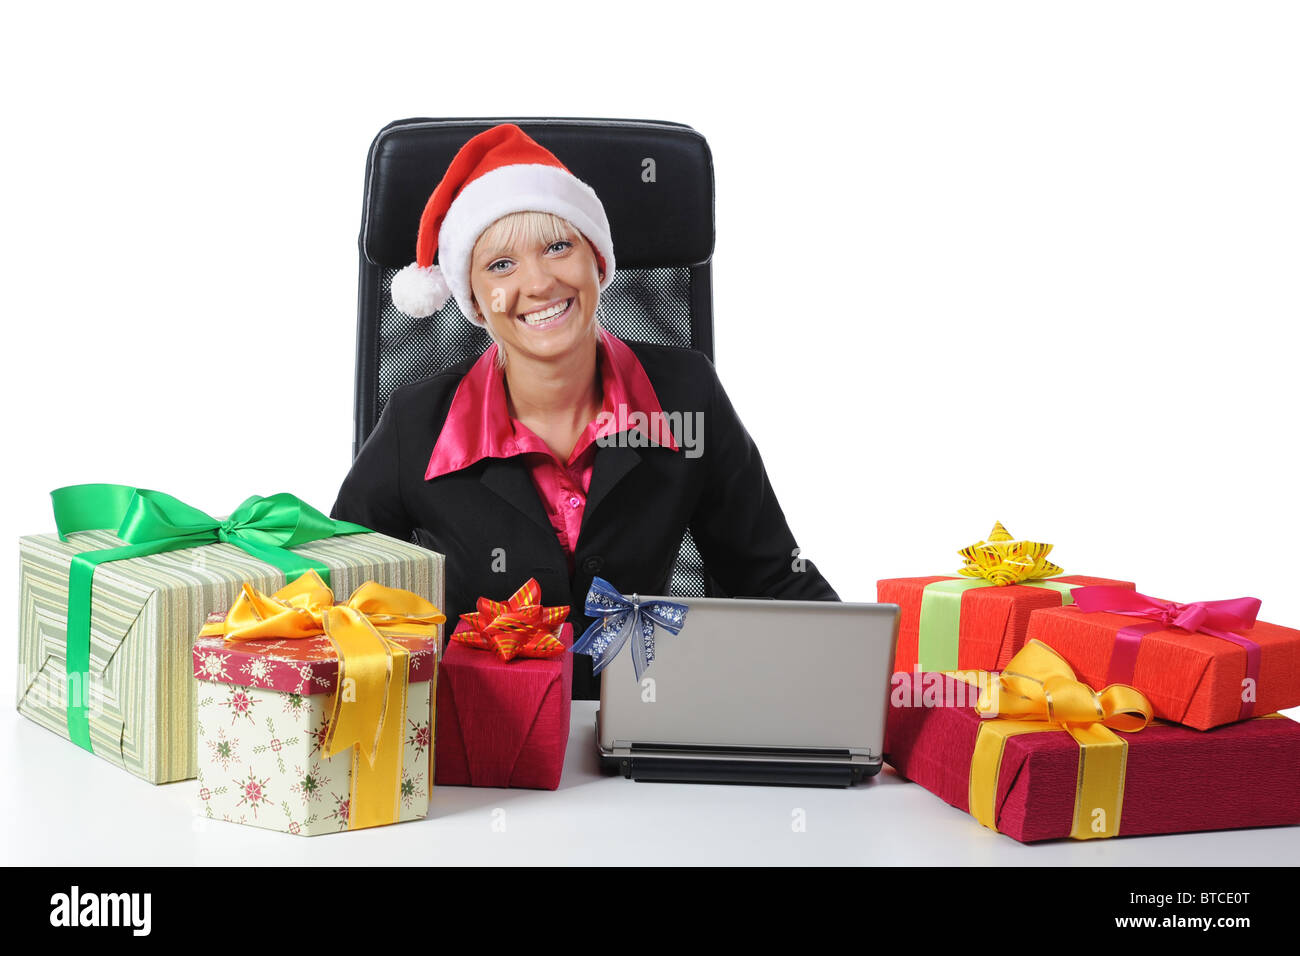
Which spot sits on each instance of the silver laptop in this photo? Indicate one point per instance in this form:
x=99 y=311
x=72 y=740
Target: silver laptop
x=754 y=691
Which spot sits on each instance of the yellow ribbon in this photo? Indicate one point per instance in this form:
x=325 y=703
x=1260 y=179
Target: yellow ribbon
x=1038 y=692
x=1002 y=561
x=369 y=705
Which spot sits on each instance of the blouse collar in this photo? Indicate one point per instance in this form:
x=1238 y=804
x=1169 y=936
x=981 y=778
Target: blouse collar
x=479 y=425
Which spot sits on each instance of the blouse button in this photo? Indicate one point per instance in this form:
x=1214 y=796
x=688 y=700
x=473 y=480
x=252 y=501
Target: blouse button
x=574 y=501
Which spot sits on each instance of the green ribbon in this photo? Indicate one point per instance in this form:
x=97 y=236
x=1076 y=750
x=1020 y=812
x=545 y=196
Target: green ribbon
x=153 y=522
x=940 y=626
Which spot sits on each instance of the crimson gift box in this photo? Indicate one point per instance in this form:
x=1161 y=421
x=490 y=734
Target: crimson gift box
x=502 y=723
x=1190 y=678
x=1177 y=779
x=993 y=623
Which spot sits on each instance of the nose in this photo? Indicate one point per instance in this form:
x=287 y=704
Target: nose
x=537 y=278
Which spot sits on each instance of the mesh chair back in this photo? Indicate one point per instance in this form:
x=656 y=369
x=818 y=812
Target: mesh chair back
x=656 y=182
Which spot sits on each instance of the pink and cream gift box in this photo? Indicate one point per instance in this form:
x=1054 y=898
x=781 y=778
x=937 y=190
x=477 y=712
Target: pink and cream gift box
x=263 y=716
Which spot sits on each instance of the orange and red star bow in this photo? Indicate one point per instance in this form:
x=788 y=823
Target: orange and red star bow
x=519 y=627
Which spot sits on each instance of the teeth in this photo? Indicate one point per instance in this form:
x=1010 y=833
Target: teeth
x=534 y=318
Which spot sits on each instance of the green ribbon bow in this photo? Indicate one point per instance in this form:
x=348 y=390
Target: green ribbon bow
x=153 y=522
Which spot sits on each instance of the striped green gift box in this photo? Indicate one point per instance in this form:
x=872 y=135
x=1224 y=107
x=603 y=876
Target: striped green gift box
x=145 y=614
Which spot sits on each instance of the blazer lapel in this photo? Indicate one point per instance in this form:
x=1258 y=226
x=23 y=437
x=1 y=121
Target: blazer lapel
x=610 y=467
x=509 y=478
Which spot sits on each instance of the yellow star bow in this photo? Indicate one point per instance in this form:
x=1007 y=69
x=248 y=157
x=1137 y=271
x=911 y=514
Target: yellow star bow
x=1001 y=560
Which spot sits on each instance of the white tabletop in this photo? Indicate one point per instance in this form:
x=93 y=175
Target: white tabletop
x=62 y=806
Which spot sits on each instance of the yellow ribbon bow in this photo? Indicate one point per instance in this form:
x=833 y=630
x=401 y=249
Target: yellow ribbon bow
x=1002 y=560
x=370 y=691
x=1039 y=692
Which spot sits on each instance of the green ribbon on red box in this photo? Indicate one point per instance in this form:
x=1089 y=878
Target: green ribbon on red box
x=152 y=523
x=1001 y=561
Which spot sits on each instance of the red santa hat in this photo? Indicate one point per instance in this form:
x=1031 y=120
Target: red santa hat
x=500 y=171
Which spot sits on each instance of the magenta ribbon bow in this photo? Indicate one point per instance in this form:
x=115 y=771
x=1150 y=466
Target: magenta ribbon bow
x=1215 y=618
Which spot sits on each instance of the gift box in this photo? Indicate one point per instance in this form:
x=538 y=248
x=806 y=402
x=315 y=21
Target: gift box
x=1199 y=679
x=1026 y=778
x=277 y=745
x=134 y=695
x=977 y=620
x=992 y=623
x=503 y=723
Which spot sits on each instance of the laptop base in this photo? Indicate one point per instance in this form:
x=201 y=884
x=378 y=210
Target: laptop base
x=785 y=768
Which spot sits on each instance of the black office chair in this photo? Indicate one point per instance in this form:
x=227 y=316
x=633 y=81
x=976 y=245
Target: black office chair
x=656 y=182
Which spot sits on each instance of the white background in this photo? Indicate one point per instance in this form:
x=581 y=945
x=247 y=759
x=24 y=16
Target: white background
x=1033 y=261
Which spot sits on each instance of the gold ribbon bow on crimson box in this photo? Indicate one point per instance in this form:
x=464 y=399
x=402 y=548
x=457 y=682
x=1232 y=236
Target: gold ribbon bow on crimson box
x=1038 y=692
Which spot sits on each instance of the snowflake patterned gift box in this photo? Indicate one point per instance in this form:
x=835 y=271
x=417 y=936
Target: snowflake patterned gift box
x=135 y=682
x=268 y=708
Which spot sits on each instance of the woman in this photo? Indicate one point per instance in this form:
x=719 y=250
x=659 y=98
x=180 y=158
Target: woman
x=562 y=452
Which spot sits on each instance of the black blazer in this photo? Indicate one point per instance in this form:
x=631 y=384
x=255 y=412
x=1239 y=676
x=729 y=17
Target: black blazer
x=490 y=523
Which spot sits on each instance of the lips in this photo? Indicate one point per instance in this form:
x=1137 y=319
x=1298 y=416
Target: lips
x=547 y=315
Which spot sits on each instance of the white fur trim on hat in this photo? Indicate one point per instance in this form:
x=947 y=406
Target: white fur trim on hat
x=518 y=188
x=419 y=292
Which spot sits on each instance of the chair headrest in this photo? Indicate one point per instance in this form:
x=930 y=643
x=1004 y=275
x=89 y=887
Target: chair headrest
x=655 y=180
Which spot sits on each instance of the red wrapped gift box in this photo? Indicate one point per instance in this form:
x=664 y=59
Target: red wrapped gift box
x=993 y=619
x=1190 y=678
x=502 y=723
x=1177 y=779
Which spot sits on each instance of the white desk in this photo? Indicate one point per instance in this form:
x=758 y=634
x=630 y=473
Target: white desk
x=62 y=806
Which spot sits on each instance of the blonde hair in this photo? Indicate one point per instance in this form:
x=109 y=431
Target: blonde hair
x=529 y=228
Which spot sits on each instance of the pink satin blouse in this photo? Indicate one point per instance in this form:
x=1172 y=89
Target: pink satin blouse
x=479 y=425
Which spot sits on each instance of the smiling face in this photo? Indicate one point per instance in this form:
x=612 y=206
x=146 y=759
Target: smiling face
x=536 y=283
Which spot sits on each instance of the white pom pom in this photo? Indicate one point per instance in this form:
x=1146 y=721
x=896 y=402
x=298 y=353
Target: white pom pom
x=419 y=292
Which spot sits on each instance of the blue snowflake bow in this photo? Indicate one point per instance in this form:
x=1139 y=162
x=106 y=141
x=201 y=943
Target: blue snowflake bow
x=619 y=618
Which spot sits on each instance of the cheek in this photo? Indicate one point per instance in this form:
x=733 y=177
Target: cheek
x=582 y=275
x=478 y=290
x=492 y=295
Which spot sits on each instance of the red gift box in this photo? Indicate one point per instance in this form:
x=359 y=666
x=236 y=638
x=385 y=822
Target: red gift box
x=1190 y=678
x=994 y=620
x=502 y=723
x=1176 y=780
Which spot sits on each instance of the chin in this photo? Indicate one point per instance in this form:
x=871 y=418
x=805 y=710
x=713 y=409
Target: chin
x=559 y=346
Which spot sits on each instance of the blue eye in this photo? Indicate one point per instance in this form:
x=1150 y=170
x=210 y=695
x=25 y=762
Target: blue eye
x=562 y=244
x=504 y=263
